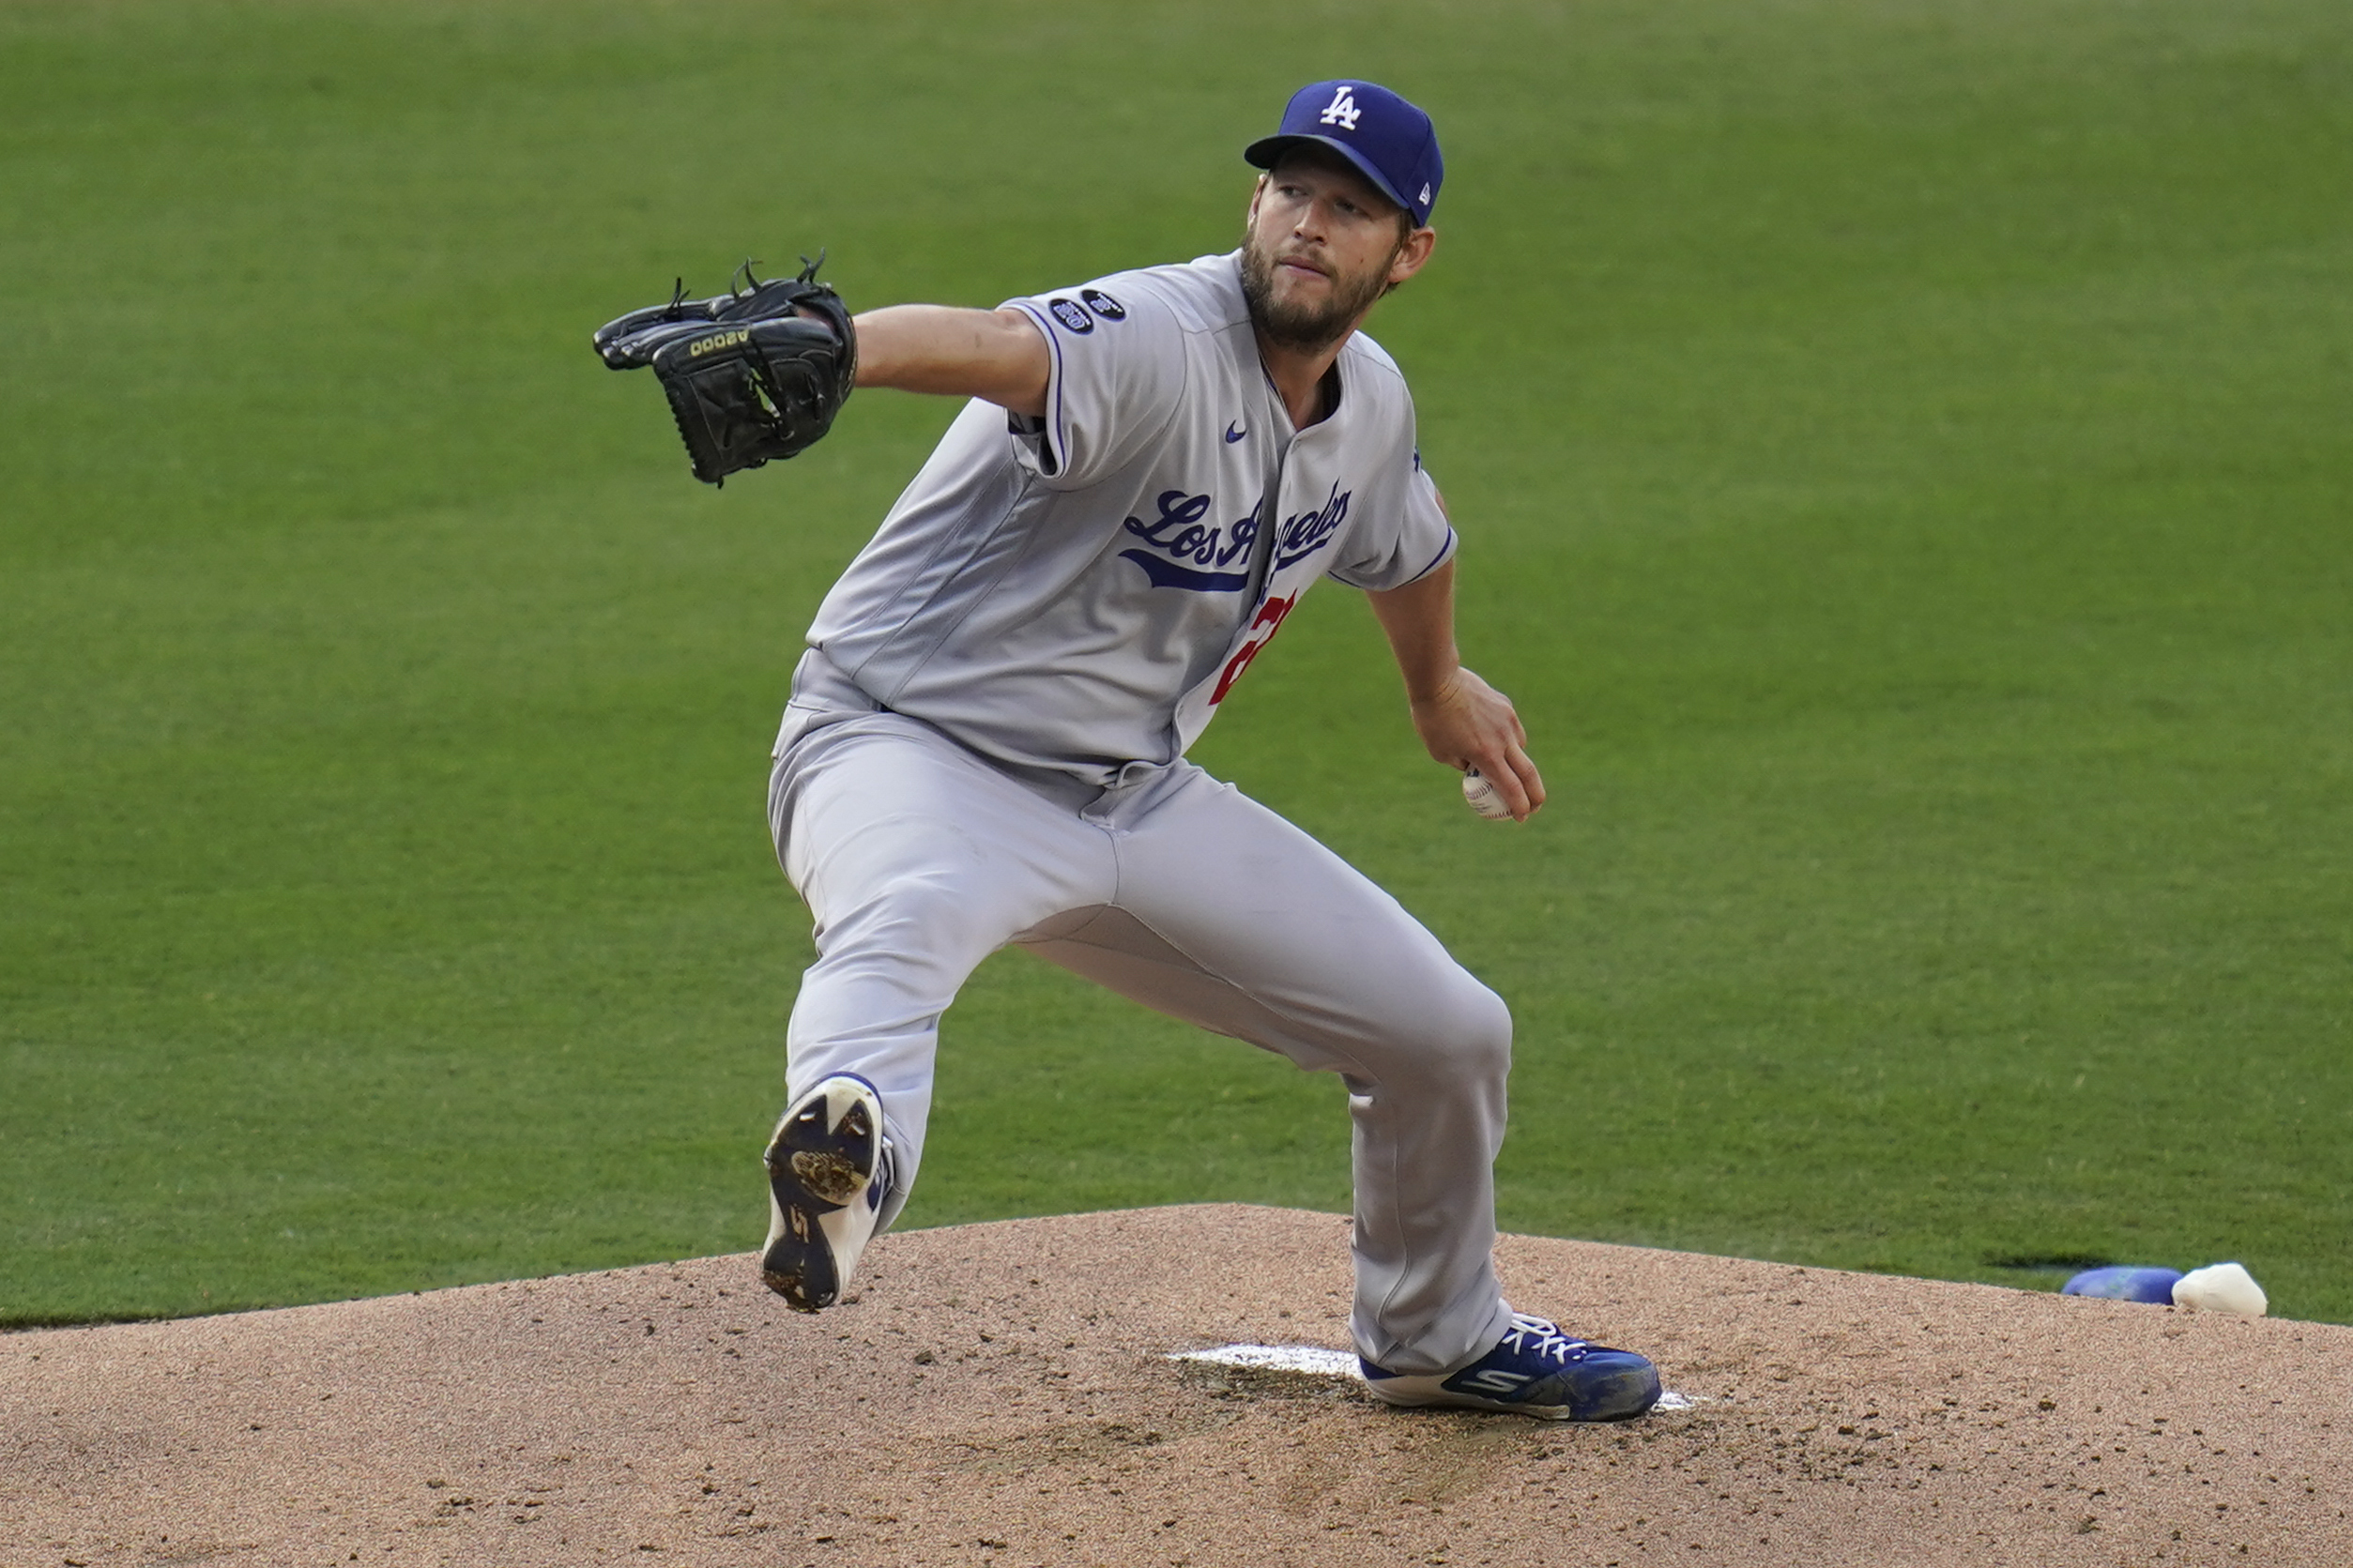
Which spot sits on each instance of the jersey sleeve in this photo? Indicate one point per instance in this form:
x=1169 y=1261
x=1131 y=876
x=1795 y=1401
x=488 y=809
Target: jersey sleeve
x=1418 y=542
x=1115 y=380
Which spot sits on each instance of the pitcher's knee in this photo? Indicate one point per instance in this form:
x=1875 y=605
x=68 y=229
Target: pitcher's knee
x=1483 y=1040
x=921 y=913
x=1456 y=1030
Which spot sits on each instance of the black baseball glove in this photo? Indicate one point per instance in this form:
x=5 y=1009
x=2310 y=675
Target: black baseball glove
x=754 y=373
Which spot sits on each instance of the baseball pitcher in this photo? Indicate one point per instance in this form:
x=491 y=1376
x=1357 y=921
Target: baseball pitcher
x=985 y=739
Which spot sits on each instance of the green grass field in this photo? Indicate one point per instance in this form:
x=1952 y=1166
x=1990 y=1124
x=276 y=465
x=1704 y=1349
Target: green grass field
x=1906 y=471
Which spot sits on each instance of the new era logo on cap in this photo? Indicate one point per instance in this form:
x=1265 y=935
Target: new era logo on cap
x=1387 y=138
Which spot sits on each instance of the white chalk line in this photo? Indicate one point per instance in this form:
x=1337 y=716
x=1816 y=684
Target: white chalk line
x=1314 y=1360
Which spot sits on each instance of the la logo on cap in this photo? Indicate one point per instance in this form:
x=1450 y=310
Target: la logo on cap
x=1342 y=110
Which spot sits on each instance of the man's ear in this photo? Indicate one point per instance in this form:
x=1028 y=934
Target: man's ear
x=1257 y=190
x=1412 y=255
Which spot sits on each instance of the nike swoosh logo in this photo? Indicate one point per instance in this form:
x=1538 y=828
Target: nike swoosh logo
x=1233 y=435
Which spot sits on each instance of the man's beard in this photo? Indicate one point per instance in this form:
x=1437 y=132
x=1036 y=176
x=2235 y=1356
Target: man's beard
x=1305 y=328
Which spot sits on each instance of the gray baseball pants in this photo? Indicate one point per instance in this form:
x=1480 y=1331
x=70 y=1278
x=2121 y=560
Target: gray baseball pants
x=919 y=858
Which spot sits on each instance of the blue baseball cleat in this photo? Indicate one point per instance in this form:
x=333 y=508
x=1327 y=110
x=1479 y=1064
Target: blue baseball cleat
x=1533 y=1370
x=829 y=1169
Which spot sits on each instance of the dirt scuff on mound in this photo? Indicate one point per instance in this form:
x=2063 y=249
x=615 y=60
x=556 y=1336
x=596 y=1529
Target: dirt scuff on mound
x=1001 y=1394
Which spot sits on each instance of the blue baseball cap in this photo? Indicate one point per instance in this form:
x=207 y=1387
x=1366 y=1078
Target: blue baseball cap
x=1388 y=139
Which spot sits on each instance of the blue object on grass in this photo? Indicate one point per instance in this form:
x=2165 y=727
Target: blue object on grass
x=2125 y=1282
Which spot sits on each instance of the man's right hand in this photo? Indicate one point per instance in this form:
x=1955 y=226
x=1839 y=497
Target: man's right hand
x=1469 y=725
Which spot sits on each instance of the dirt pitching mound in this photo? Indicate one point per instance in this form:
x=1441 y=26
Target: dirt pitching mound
x=1003 y=1393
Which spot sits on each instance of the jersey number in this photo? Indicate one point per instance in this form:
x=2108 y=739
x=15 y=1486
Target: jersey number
x=1270 y=615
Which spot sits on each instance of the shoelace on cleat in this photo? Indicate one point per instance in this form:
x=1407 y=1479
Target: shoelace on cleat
x=1530 y=1336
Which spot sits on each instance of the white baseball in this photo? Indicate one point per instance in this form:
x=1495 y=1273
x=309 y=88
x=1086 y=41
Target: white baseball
x=1483 y=797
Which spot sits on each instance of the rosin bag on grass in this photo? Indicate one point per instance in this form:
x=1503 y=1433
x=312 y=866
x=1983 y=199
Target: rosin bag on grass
x=2221 y=1287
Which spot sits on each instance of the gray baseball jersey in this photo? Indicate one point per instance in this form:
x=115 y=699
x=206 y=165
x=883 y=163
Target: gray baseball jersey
x=1080 y=591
